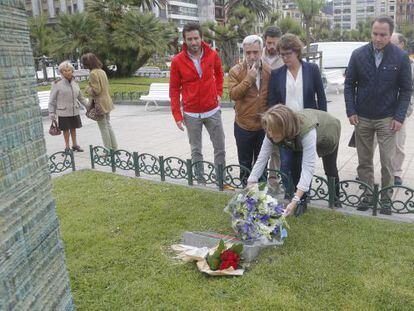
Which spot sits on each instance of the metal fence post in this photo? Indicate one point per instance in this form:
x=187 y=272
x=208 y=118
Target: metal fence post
x=162 y=169
x=72 y=160
x=220 y=176
x=331 y=191
x=136 y=166
x=375 y=200
x=112 y=154
x=91 y=155
x=189 y=172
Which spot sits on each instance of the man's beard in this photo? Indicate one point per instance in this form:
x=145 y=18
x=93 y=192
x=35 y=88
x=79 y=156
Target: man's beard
x=272 y=52
x=194 y=49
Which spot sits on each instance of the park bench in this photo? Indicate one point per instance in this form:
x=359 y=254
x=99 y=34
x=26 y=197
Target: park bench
x=334 y=79
x=43 y=100
x=157 y=92
x=151 y=72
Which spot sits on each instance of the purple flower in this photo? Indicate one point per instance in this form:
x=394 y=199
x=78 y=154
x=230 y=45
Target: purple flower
x=279 y=208
x=264 y=218
x=250 y=202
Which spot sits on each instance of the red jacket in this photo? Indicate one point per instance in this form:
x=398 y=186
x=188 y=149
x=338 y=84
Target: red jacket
x=198 y=94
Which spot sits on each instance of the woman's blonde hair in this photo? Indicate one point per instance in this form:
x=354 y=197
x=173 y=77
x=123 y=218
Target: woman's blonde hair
x=283 y=120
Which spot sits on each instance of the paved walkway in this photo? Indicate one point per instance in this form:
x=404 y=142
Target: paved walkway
x=155 y=132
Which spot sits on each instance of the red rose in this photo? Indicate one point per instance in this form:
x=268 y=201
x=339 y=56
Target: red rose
x=229 y=255
x=229 y=259
x=224 y=265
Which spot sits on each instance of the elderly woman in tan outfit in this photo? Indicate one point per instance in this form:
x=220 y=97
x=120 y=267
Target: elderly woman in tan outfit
x=64 y=103
x=98 y=91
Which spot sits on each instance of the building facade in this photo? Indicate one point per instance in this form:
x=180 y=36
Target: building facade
x=347 y=13
x=52 y=8
x=405 y=12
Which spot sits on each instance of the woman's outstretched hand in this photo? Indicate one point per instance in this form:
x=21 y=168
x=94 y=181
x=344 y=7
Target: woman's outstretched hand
x=290 y=208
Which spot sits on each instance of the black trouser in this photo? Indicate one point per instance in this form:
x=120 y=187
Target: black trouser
x=293 y=161
x=248 y=149
x=330 y=168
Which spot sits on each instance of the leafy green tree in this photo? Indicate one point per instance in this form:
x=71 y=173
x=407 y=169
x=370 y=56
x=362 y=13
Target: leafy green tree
x=229 y=34
x=272 y=19
x=289 y=25
x=138 y=37
x=336 y=33
x=132 y=35
x=364 y=31
x=76 y=34
x=260 y=8
x=40 y=36
x=321 y=30
x=309 y=9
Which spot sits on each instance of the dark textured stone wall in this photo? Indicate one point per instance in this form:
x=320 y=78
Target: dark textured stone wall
x=33 y=274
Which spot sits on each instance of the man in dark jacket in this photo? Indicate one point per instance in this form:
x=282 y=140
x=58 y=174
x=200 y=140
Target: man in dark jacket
x=377 y=94
x=197 y=75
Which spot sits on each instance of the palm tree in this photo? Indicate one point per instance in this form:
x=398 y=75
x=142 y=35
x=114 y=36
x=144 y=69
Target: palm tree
x=40 y=36
x=76 y=34
x=260 y=8
x=138 y=37
x=309 y=9
x=227 y=36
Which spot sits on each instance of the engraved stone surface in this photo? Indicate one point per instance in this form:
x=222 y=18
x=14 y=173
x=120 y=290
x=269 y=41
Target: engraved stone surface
x=33 y=274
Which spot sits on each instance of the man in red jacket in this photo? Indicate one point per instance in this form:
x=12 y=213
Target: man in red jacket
x=197 y=75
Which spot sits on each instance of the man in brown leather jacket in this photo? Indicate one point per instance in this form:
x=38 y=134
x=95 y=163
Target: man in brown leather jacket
x=248 y=87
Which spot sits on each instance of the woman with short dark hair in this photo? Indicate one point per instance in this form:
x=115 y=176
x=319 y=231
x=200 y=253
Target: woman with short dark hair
x=298 y=85
x=98 y=91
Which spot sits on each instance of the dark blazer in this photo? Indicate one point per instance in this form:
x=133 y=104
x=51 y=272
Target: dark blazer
x=378 y=93
x=312 y=85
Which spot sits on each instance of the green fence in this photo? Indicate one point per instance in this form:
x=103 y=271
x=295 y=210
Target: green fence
x=127 y=96
x=135 y=95
x=351 y=192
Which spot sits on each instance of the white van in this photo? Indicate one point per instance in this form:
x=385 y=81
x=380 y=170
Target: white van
x=335 y=55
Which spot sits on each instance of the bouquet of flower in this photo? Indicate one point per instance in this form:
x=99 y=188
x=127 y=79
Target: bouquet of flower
x=257 y=215
x=224 y=259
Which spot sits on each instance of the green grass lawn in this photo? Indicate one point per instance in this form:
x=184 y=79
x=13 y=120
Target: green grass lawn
x=117 y=233
x=132 y=84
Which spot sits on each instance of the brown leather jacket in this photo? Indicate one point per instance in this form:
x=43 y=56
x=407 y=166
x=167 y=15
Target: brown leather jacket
x=250 y=102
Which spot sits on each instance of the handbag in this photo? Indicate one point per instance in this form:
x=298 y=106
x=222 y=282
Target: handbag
x=54 y=129
x=95 y=112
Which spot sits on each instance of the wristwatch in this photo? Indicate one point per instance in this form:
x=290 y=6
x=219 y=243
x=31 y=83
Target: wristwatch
x=296 y=199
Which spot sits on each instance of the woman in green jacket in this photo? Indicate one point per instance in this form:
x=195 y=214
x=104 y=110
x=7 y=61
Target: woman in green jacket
x=98 y=91
x=306 y=133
